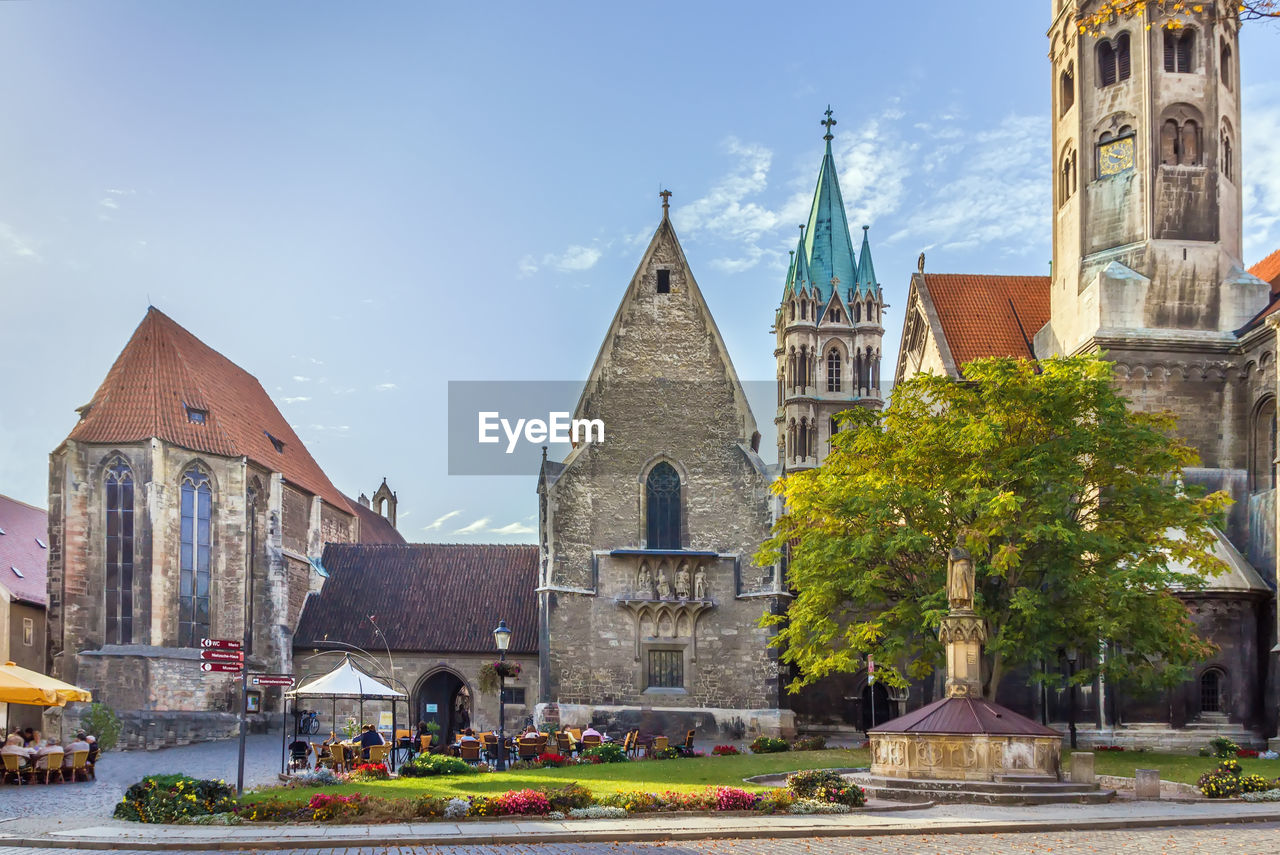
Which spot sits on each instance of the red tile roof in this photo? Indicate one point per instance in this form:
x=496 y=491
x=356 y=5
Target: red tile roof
x=432 y=597
x=163 y=372
x=965 y=715
x=989 y=315
x=1268 y=270
x=25 y=527
x=374 y=527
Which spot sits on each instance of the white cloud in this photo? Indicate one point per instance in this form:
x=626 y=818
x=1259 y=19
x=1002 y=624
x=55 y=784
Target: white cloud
x=575 y=259
x=110 y=203
x=440 y=521
x=297 y=399
x=475 y=527
x=298 y=378
x=726 y=211
x=1261 y=171
x=384 y=387
x=514 y=528
x=12 y=243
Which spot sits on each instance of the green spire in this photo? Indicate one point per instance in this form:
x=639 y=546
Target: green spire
x=866 y=280
x=827 y=243
x=803 y=279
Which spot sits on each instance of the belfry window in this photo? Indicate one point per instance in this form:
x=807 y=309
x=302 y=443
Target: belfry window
x=118 y=585
x=662 y=508
x=833 y=370
x=1113 y=60
x=195 y=546
x=1180 y=50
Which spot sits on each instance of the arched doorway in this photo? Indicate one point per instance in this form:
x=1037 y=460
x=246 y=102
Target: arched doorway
x=876 y=708
x=446 y=700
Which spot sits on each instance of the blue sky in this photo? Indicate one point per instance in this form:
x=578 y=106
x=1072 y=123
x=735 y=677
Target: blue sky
x=360 y=202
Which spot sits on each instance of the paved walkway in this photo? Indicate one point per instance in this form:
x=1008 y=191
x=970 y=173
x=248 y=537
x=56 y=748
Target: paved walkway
x=1248 y=839
x=981 y=820
x=92 y=801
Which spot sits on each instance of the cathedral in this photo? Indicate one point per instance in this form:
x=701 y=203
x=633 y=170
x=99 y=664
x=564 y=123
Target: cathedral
x=1147 y=270
x=182 y=506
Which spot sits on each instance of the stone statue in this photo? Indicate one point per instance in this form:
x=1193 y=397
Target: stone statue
x=664 y=585
x=700 y=584
x=960 y=579
x=644 y=583
x=682 y=582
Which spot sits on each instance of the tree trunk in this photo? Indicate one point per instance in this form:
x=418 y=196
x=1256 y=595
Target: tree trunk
x=993 y=681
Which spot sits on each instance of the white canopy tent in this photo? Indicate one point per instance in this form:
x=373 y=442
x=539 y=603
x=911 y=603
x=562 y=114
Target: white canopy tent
x=348 y=681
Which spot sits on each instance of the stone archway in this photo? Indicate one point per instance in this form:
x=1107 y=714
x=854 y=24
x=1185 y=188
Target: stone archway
x=443 y=697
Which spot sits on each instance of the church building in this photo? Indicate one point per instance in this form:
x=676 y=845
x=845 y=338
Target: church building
x=1147 y=270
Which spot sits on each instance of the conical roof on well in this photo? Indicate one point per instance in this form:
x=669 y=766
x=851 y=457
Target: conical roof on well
x=965 y=716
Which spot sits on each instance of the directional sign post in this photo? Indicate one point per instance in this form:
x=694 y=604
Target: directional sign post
x=220 y=667
x=271 y=679
x=221 y=643
x=222 y=656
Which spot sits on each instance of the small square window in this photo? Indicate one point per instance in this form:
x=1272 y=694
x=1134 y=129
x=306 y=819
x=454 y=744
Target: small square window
x=197 y=416
x=513 y=695
x=664 y=281
x=28 y=631
x=666 y=669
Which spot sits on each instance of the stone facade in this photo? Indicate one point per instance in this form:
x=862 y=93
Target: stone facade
x=628 y=632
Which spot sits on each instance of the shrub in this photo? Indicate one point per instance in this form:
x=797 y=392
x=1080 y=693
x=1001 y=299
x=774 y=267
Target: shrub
x=665 y=754
x=166 y=798
x=1255 y=784
x=600 y=812
x=272 y=810
x=1225 y=781
x=607 y=752
x=551 y=760
x=101 y=721
x=427 y=765
x=732 y=798
x=768 y=745
x=633 y=802
x=777 y=801
x=1264 y=796
x=326 y=807
x=430 y=806
x=521 y=803
x=322 y=777
x=724 y=751
x=1247 y=752
x=806 y=784
x=1221 y=746
x=370 y=772
x=808 y=806
x=846 y=794
x=809 y=743
x=572 y=796
x=456 y=808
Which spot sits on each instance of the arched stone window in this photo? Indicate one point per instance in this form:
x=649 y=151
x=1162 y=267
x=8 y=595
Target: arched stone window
x=1113 y=60
x=1067 y=176
x=833 y=370
x=1227 y=154
x=1180 y=143
x=1212 y=684
x=793 y=310
x=1262 y=471
x=1067 y=89
x=195 y=556
x=1180 y=50
x=118 y=584
x=1224 y=65
x=857 y=313
x=662 y=507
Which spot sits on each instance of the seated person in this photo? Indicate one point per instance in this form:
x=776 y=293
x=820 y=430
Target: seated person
x=77 y=744
x=13 y=745
x=49 y=755
x=300 y=751
x=531 y=733
x=369 y=737
x=29 y=736
x=591 y=731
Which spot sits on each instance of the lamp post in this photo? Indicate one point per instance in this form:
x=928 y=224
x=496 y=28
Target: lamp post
x=1071 y=696
x=501 y=639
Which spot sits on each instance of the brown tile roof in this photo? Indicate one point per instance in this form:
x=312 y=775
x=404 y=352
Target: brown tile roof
x=434 y=597
x=25 y=527
x=965 y=715
x=989 y=315
x=374 y=527
x=163 y=371
x=1268 y=270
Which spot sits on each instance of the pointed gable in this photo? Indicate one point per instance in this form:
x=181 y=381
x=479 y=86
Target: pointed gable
x=867 y=284
x=827 y=241
x=166 y=380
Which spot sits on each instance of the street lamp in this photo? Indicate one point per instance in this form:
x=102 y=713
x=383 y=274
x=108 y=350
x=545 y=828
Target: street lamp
x=501 y=640
x=1072 y=655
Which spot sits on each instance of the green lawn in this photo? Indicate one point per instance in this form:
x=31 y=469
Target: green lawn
x=647 y=775
x=1185 y=768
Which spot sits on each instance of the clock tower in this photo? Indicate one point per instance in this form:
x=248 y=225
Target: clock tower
x=1147 y=190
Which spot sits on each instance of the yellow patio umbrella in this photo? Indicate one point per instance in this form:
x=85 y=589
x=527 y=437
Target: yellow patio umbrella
x=20 y=685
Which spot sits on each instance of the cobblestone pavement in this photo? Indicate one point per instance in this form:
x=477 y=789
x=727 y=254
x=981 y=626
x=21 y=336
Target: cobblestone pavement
x=1221 y=840
x=95 y=800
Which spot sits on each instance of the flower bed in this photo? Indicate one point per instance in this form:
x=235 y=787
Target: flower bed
x=724 y=751
x=171 y=798
x=1228 y=780
x=426 y=765
x=769 y=745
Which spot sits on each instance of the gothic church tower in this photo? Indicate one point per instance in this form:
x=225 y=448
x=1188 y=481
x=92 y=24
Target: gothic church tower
x=1147 y=198
x=828 y=327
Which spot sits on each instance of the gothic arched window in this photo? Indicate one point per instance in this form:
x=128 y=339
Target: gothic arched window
x=857 y=313
x=1262 y=472
x=1227 y=154
x=1224 y=64
x=833 y=370
x=1067 y=94
x=1180 y=50
x=118 y=586
x=1113 y=60
x=195 y=546
x=662 y=507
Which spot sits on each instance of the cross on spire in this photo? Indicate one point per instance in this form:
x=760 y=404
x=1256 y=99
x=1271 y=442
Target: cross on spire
x=666 y=201
x=829 y=123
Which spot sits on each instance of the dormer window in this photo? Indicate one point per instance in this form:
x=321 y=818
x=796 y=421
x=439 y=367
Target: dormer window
x=197 y=416
x=664 y=281
x=278 y=444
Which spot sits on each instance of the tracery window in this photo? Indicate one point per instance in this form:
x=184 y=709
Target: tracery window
x=662 y=507
x=118 y=585
x=195 y=548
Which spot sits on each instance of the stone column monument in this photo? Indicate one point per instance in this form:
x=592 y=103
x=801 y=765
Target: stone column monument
x=963 y=632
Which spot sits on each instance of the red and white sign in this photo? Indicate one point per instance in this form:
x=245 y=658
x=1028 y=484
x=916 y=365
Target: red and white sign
x=218 y=667
x=272 y=680
x=221 y=643
x=222 y=656
x=871 y=665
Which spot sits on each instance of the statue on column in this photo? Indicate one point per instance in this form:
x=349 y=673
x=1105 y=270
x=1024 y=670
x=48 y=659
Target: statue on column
x=700 y=584
x=664 y=585
x=960 y=579
x=683 y=585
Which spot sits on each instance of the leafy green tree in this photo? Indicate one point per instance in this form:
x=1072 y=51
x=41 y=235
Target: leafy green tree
x=102 y=722
x=1070 y=502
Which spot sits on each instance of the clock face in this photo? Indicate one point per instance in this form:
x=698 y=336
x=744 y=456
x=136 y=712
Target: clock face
x=1116 y=156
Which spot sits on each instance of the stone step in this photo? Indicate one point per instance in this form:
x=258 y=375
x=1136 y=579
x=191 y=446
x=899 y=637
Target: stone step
x=1026 y=779
x=950 y=796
